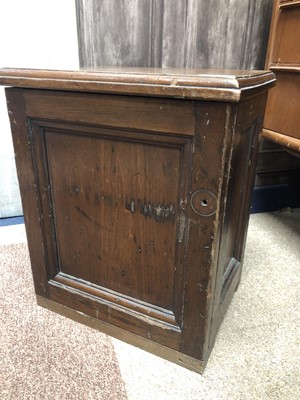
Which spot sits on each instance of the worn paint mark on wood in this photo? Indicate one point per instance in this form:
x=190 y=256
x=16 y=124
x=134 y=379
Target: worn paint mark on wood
x=181 y=226
x=159 y=211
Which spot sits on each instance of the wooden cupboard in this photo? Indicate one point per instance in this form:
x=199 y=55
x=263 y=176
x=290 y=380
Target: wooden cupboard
x=136 y=187
x=282 y=120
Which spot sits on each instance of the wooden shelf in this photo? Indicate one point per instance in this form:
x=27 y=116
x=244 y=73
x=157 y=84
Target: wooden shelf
x=281 y=124
x=284 y=67
x=289 y=143
x=289 y=4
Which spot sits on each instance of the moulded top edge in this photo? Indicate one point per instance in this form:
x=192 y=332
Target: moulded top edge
x=164 y=82
x=289 y=4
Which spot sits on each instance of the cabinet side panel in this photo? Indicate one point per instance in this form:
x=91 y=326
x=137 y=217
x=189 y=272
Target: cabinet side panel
x=237 y=196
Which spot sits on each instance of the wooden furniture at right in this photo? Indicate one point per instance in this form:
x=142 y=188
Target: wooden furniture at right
x=282 y=119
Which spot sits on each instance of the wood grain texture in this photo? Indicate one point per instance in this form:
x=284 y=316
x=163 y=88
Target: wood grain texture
x=164 y=33
x=90 y=201
x=211 y=84
x=285 y=50
x=182 y=33
x=117 y=33
x=153 y=115
x=286 y=141
x=122 y=334
x=284 y=100
x=278 y=163
x=136 y=206
x=26 y=178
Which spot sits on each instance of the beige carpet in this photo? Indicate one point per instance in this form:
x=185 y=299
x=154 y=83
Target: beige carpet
x=257 y=352
x=256 y=356
x=43 y=355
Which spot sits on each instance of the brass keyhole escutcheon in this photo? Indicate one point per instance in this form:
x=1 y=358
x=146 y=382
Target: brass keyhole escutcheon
x=204 y=202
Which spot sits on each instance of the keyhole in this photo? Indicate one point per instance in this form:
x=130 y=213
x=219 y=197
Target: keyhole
x=204 y=203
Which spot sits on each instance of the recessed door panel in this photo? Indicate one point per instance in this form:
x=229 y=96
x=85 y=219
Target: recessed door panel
x=115 y=210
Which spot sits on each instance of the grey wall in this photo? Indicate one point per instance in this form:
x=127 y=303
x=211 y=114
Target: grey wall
x=29 y=40
x=173 y=33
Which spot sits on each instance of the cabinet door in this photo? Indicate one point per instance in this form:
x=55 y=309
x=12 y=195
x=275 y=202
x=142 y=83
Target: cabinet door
x=111 y=179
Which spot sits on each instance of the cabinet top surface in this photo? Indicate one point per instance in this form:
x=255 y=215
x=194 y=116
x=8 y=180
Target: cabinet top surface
x=204 y=84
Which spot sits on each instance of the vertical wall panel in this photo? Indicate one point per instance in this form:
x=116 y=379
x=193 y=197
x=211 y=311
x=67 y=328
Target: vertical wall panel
x=239 y=28
x=168 y=33
x=198 y=52
x=115 y=32
x=173 y=39
x=216 y=27
x=257 y=49
x=156 y=33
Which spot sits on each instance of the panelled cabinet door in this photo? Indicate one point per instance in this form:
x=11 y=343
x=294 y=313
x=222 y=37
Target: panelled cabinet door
x=136 y=191
x=128 y=213
x=113 y=206
x=114 y=233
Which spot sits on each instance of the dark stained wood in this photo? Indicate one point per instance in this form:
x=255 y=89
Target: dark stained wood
x=227 y=85
x=182 y=33
x=122 y=334
x=239 y=177
x=27 y=182
x=148 y=115
x=136 y=207
x=277 y=167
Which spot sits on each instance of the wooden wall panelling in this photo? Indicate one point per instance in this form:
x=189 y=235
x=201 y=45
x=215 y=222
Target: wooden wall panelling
x=202 y=47
x=164 y=33
x=257 y=41
x=228 y=34
x=114 y=33
x=169 y=33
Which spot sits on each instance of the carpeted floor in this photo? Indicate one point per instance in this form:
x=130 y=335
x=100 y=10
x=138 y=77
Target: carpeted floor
x=44 y=355
x=256 y=356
